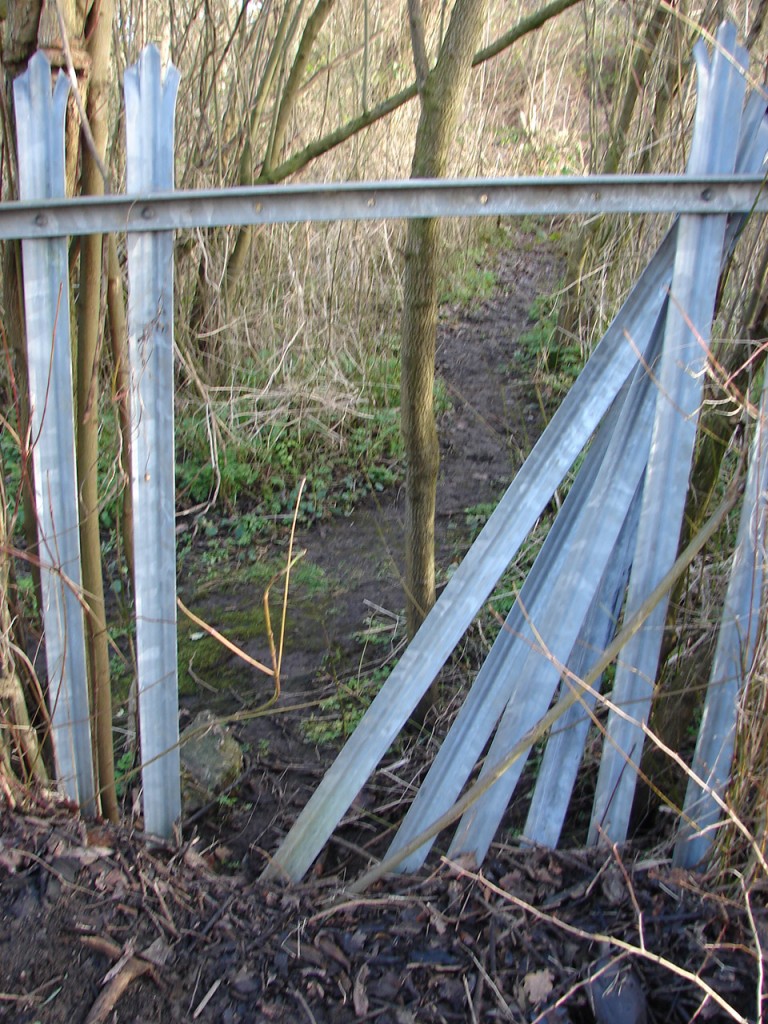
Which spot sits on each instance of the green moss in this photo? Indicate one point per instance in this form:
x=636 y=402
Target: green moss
x=239 y=616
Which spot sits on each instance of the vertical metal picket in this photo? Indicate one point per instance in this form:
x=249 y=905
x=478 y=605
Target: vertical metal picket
x=150 y=102
x=565 y=746
x=734 y=656
x=40 y=116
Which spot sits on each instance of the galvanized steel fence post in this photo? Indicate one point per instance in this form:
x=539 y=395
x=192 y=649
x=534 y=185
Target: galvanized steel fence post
x=150 y=102
x=40 y=116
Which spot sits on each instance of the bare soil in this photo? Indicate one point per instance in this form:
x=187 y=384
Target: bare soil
x=100 y=925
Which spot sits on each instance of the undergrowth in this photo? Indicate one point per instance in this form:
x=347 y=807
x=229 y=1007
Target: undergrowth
x=554 y=360
x=339 y=714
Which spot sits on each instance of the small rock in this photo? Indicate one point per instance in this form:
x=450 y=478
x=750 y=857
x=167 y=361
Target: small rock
x=245 y=983
x=616 y=994
x=211 y=760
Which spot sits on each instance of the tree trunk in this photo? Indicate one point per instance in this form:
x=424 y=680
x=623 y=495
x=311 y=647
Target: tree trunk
x=89 y=337
x=419 y=331
x=118 y=336
x=441 y=100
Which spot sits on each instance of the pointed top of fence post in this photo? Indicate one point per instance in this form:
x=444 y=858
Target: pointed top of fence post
x=725 y=69
x=40 y=116
x=150 y=103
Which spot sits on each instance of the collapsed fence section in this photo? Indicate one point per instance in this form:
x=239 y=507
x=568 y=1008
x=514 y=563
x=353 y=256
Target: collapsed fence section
x=622 y=520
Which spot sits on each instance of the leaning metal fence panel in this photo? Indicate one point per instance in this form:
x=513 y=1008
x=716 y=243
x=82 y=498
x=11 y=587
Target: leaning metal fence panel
x=721 y=90
x=524 y=639
x=736 y=643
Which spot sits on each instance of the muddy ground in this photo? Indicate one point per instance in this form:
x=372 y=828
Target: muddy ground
x=97 y=925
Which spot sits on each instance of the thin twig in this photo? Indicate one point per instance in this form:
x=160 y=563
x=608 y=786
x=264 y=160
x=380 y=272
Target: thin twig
x=206 y=999
x=501 y=1001
x=304 y=1005
x=468 y=997
x=289 y=564
x=759 y=951
x=632 y=894
x=211 y=631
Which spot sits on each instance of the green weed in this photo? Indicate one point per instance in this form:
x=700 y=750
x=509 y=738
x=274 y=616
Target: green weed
x=11 y=465
x=339 y=715
x=468 y=277
x=554 y=361
x=506 y=592
x=123 y=772
x=264 y=471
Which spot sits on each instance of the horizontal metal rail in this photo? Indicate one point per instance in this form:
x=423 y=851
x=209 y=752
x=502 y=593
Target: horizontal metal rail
x=273 y=204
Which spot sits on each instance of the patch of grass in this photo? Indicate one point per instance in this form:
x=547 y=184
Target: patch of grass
x=26 y=597
x=262 y=470
x=204 y=661
x=468 y=276
x=124 y=772
x=471 y=284
x=11 y=466
x=554 y=361
x=259 y=473
x=476 y=516
x=551 y=152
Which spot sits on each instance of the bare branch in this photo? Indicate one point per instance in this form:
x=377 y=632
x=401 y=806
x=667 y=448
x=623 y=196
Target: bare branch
x=292 y=86
x=418 y=42
x=335 y=138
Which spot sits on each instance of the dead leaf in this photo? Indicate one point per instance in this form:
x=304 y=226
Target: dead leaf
x=324 y=942
x=538 y=986
x=157 y=952
x=403 y=1016
x=464 y=862
x=87 y=855
x=10 y=858
x=613 y=885
x=359 y=995
x=114 y=882
x=512 y=881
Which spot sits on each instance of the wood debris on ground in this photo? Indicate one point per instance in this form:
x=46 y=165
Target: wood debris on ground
x=98 y=925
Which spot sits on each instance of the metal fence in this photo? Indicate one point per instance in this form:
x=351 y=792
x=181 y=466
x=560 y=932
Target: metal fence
x=633 y=478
